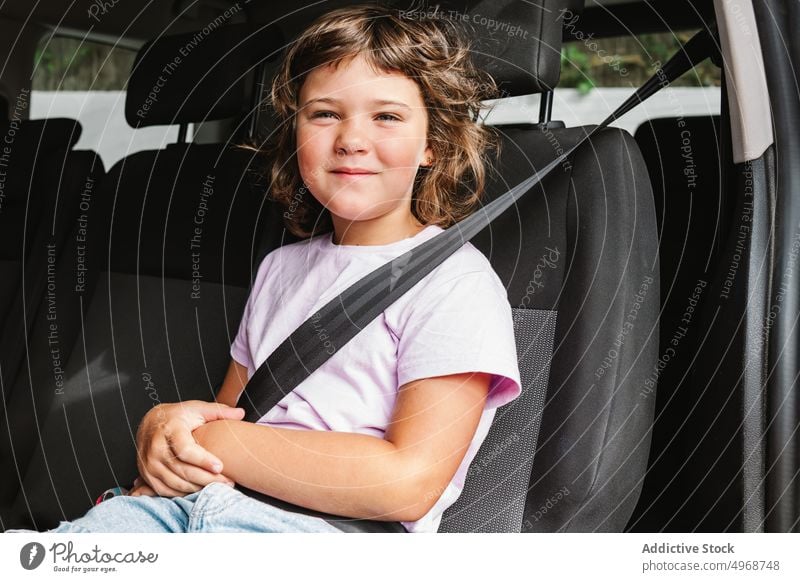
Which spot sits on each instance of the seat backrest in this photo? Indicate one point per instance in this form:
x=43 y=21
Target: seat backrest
x=596 y=426
x=696 y=204
x=41 y=189
x=172 y=237
x=585 y=306
x=29 y=182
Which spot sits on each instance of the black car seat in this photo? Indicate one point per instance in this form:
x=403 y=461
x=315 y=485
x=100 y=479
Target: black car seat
x=579 y=257
x=172 y=235
x=30 y=179
x=45 y=182
x=687 y=158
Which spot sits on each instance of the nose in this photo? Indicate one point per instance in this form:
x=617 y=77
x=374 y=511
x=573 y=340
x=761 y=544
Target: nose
x=351 y=137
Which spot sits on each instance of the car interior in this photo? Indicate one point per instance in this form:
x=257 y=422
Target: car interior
x=631 y=269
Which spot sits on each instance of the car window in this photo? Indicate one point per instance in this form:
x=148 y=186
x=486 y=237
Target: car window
x=597 y=75
x=85 y=80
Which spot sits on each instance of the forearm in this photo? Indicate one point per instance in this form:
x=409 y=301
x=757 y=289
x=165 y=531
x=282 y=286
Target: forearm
x=345 y=474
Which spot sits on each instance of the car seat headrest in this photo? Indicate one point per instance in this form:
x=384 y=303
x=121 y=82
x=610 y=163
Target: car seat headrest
x=40 y=135
x=516 y=41
x=197 y=76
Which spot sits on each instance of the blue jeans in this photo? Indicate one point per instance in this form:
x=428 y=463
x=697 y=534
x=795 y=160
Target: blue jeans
x=215 y=508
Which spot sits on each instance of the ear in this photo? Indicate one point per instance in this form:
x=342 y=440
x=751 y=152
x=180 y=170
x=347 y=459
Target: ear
x=427 y=157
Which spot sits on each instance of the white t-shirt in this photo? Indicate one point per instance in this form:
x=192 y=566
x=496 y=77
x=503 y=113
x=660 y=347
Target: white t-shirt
x=456 y=320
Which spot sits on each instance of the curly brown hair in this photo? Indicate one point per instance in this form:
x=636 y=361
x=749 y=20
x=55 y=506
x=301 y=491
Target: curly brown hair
x=429 y=49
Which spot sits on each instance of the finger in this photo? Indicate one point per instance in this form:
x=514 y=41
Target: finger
x=170 y=462
x=148 y=491
x=167 y=484
x=185 y=449
x=143 y=490
x=192 y=473
x=201 y=477
x=218 y=411
x=151 y=462
x=171 y=477
x=195 y=474
x=174 y=476
x=176 y=483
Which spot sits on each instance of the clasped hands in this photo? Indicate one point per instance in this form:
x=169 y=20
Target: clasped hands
x=171 y=463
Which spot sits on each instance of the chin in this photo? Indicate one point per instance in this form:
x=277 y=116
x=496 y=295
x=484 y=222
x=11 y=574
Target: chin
x=354 y=211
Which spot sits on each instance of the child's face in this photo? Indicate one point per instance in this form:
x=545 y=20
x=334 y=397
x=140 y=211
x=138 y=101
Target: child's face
x=357 y=155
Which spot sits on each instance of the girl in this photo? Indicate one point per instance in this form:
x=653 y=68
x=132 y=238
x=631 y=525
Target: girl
x=377 y=151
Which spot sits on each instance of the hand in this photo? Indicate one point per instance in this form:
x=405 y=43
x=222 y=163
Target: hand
x=141 y=488
x=169 y=459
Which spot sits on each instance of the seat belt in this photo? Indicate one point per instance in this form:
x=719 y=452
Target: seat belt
x=299 y=355
x=344 y=316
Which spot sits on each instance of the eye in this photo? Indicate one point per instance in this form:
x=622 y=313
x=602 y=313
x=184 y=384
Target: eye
x=388 y=117
x=322 y=114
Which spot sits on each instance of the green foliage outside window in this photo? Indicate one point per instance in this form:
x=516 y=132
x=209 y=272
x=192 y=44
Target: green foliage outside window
x=628 y=62
x=67 y=64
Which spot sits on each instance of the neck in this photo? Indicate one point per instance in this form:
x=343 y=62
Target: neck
x=371 y=233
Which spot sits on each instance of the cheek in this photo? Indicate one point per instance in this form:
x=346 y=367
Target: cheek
x=310 y=158
x=305 y=166
x=402 y=156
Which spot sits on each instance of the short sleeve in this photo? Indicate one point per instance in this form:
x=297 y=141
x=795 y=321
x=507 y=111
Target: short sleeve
x=240 y=348
x=463 y=325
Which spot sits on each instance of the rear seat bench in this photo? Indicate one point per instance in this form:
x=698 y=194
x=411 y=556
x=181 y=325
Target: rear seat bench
x=172 y=237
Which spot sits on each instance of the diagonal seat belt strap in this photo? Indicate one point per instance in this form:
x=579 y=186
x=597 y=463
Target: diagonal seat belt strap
x=300 y=354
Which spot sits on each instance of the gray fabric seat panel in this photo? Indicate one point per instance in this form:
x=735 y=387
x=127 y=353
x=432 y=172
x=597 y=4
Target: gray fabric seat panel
x=493 y=499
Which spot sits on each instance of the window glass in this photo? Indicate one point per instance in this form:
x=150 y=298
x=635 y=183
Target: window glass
x=627 y=61
x=85 y=80
x=597 y=75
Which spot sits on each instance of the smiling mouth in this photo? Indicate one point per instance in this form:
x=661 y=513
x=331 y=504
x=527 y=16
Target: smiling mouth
x=353 y=174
